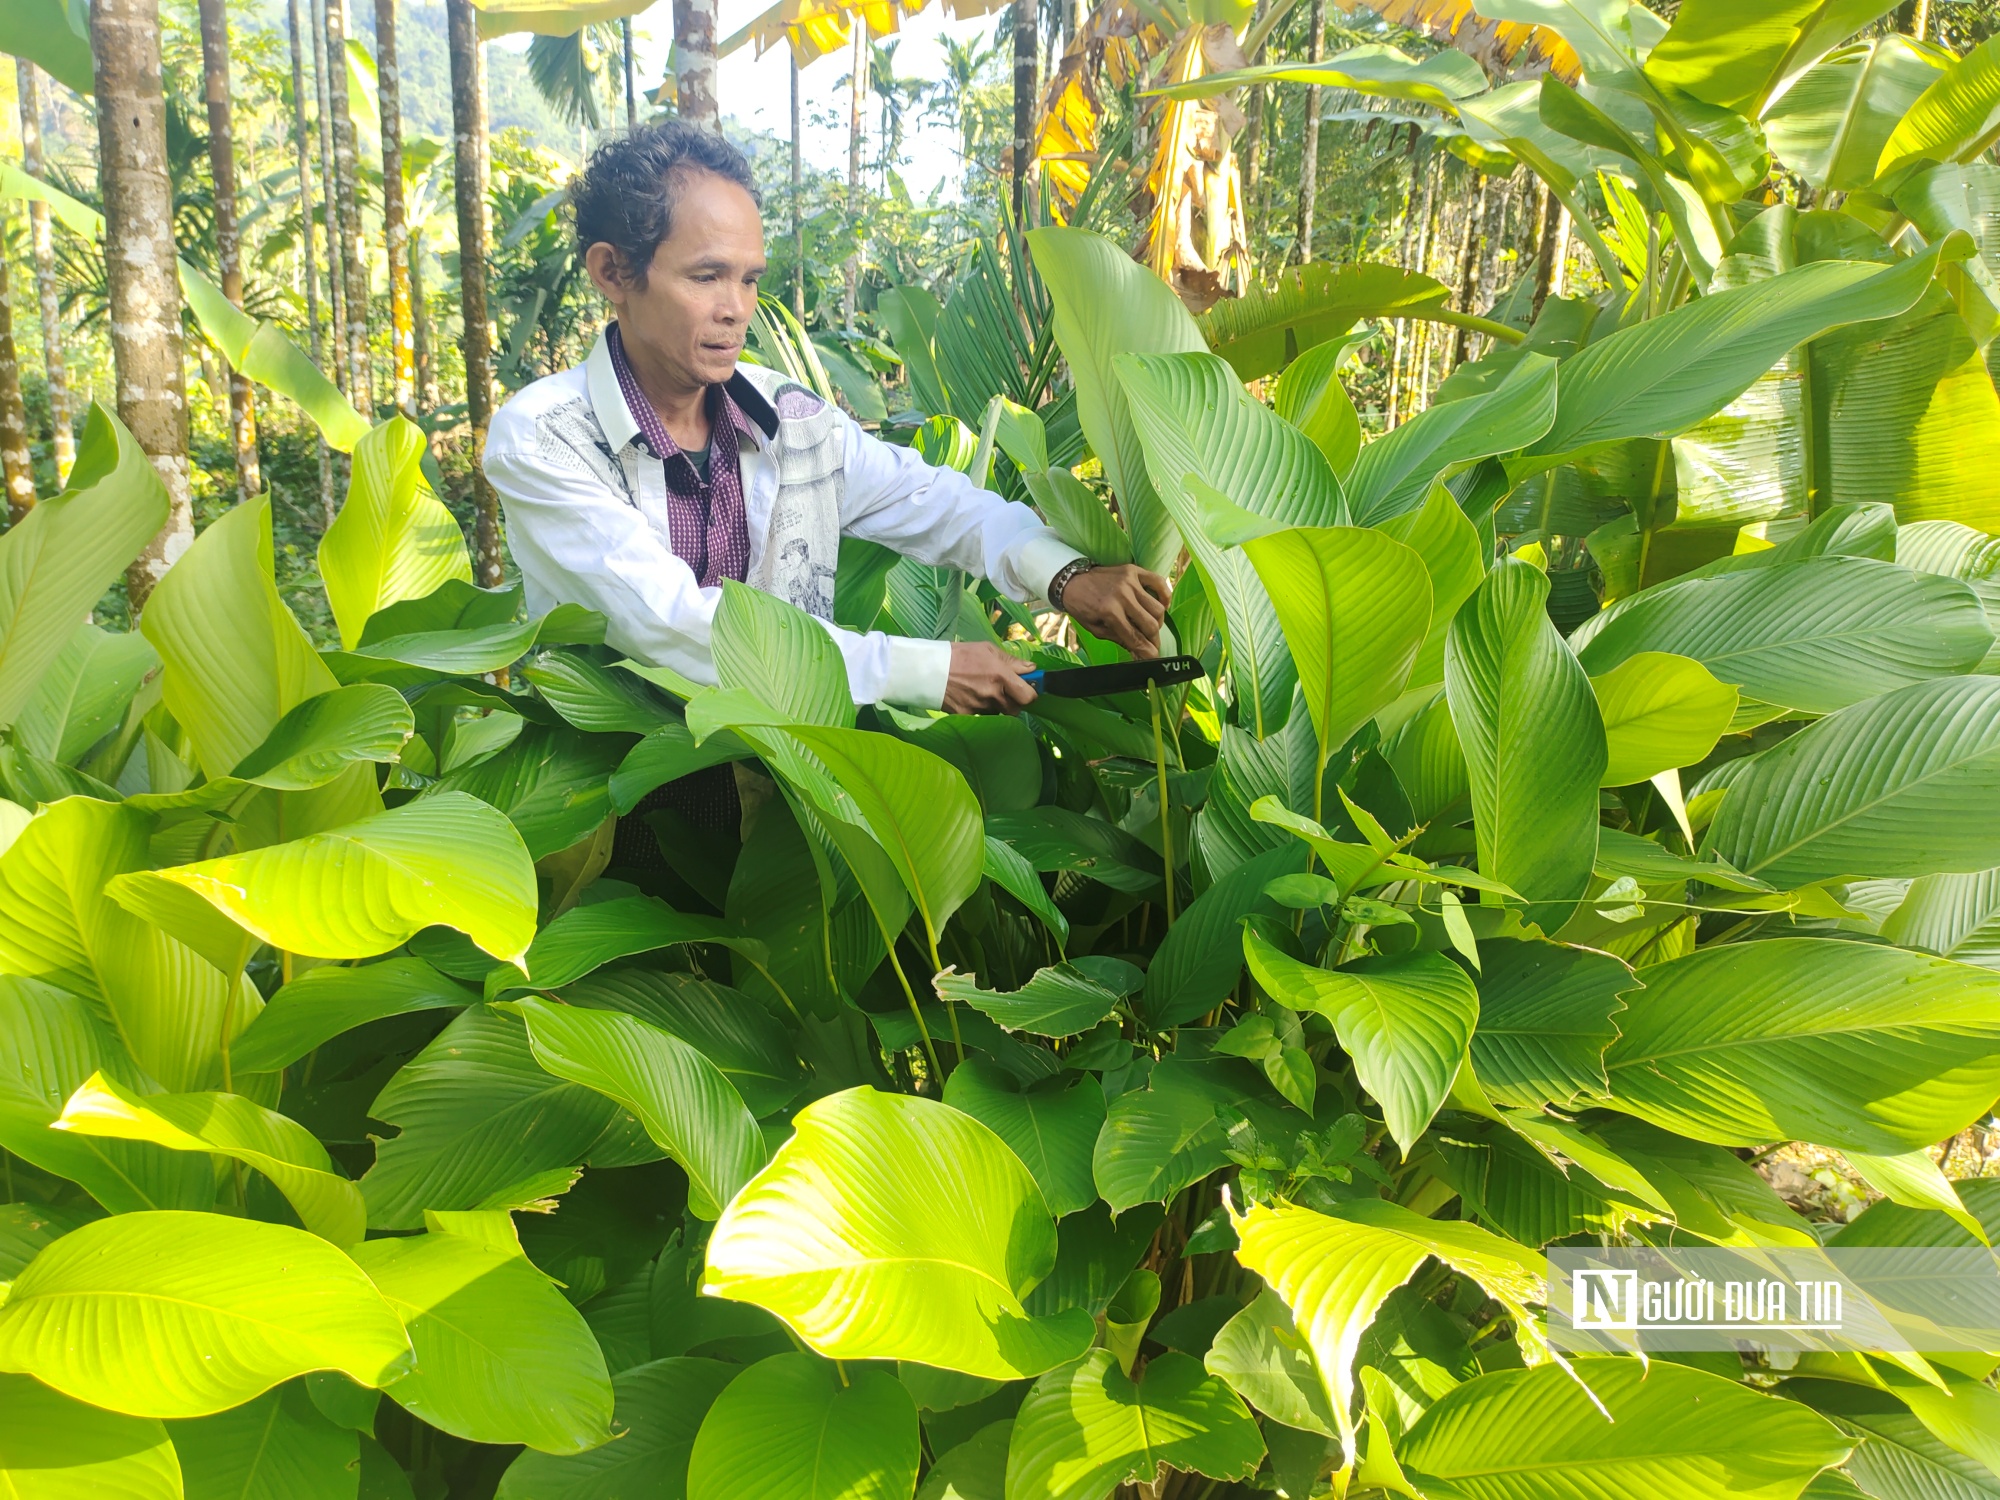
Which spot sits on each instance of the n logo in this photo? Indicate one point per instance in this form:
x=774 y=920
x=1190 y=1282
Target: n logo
x=1604 y=1299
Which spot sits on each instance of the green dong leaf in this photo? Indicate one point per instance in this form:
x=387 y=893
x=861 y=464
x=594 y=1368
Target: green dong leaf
x=1672 y=1432
x=1087 y=1428
x=277 y=1447
x=1404 y=1018
x=791 y=1428
x=915 y=1208
x=53 y=1448
x=393 y=539
x=59 y=558
x=1902 y=785
x=1533 y=740
x=1106 y=304
x=501 y=1356
x=180 y=1315
x=1818 y=634
x=1052 y=1126
x=692 y=1112
x=232 y=1126
x=360 y=890
x=1858 y=1047
x=658 y=1408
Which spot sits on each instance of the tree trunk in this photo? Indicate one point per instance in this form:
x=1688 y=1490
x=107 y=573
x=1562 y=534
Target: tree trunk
x=857 y=94
x=42 y=247
x=1309 y=149
x=1253 y=148
x=17 y=460
x=468 y=126
x=1257 y=209
x=1468 y=268
x=1552 y=251
x=307 y=246
x=395 y=226
x=1420 y=359
x=798 y=210
x=420 y=329
x=354 y=257
x=1416 y=226
x=694 y=63
x=1026 y=96
x=1253 y=141
x=336 y=238
x=145 y=294
x=631 y=87
x=228 y=241
x=1499 y=204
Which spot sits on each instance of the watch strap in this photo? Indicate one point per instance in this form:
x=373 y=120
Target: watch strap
x=1067 y=572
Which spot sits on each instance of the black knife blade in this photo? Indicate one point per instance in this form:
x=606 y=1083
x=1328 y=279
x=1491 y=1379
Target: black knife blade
x=1117 y=677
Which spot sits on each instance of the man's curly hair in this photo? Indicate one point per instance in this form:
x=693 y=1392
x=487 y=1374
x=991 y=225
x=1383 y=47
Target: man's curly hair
x=624 y=197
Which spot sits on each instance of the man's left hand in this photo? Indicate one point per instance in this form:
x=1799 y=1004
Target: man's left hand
x=1125 y=604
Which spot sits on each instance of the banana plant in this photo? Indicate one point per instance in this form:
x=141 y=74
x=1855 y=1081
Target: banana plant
x=1180 y=1091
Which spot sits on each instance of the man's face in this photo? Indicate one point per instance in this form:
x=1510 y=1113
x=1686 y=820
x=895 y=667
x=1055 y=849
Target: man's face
x=695 y=306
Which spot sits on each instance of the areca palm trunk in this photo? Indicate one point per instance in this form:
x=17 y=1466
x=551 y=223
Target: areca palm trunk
x=1551 y=251
x=420 y=326
x=336 y=241
x=631 y=86
x=798 y=221
x=1499 y=206
x=1027 y=73
x=468 y=126
x=395 y=227
x=228 y=240
x=1468 y=268
x=1416 y=230
x=1309 y=149
x=307 y=244
x=354 y=261
x=145 y=293
x=694 y=63
x=17 y=461
x=42 y=247
x=857 y=94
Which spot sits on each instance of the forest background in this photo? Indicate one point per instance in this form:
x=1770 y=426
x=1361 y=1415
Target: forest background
x=1374 y=182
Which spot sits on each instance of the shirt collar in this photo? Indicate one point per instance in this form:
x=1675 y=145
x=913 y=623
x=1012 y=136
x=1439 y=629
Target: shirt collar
x=754 y=416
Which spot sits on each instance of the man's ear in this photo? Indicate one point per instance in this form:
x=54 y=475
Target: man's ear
x=607 y=272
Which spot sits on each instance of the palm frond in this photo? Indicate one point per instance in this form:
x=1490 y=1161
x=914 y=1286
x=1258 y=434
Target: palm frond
x=568 y=72
x=1494 y=45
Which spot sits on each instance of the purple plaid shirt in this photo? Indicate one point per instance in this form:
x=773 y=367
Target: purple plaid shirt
x=705 y=519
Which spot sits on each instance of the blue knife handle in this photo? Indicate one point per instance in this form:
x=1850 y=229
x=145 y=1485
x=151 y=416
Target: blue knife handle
x=1033 y=679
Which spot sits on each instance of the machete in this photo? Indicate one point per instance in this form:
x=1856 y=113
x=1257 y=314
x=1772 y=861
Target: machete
x=1118 y=677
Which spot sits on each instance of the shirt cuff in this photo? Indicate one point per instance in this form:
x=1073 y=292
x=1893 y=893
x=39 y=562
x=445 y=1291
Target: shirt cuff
x=1036 y=559
x=918 y=672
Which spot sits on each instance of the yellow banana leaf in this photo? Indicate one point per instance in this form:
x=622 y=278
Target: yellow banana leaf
x=817 y=28
x=1490 y=43
x=549 y=17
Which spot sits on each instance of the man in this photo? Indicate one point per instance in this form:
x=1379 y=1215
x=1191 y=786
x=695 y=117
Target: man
x=635 y=483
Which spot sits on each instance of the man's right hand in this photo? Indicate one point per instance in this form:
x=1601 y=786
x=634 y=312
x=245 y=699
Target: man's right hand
x=986 y=680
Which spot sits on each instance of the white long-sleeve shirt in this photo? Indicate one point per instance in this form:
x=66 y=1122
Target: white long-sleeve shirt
x=579 y=539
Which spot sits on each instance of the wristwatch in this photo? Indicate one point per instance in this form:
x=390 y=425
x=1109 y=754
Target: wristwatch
x=1061 y=581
